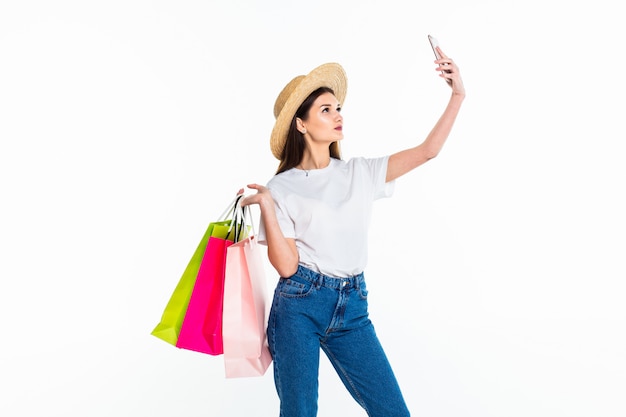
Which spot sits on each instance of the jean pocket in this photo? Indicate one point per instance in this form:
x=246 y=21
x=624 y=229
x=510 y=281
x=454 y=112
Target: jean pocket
x=293 y=287
x=363 y=291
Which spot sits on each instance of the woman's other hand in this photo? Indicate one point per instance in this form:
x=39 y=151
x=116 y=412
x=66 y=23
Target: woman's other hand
x=263 y=197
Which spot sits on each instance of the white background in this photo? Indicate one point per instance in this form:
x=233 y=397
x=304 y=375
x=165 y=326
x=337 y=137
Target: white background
x=496 y=271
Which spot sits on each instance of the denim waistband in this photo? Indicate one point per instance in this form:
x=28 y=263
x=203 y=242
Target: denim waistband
x=329 y=282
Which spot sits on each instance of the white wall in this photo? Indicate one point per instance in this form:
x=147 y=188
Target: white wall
x=496 y=270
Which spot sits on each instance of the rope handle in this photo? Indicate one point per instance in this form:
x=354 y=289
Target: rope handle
x=242 y=217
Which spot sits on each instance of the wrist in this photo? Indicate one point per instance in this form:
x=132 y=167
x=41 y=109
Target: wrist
x=266 y=204
x=458 y=94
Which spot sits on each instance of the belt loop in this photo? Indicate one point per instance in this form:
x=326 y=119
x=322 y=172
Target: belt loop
x=319 y=281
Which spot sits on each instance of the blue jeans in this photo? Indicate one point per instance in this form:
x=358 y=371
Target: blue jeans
x=311 y=310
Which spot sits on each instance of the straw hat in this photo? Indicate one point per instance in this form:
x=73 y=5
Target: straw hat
x=329 y=75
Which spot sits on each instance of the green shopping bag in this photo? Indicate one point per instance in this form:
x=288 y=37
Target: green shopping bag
x=171 y=322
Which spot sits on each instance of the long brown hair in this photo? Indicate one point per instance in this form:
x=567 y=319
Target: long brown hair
x=294 y=146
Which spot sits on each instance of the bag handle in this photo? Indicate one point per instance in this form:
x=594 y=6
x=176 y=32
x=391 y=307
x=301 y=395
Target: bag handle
x=237 y=219
x=241 y=218
x=247 y=214
x=230 y=208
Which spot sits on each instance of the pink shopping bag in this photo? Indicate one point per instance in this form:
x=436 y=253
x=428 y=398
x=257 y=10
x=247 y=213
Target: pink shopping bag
x=202 y=326
x=246 y=352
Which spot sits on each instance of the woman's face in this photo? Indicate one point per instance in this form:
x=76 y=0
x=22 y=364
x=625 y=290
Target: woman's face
x=324 y=122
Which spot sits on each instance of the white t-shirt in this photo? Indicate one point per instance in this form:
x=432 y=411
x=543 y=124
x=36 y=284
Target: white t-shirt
x=327 y=211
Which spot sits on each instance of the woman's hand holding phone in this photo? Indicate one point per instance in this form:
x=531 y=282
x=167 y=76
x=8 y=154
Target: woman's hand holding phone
x=449 y=70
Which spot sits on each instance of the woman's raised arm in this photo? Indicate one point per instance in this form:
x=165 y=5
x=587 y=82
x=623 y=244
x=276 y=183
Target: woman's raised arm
x=402 y=162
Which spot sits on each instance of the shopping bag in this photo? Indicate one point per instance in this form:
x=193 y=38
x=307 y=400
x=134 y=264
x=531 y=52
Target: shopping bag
x=168 y=329
x=246 y=352
x=201 y=330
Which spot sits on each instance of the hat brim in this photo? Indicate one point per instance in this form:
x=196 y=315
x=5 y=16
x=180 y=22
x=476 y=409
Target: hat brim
x=329 y=75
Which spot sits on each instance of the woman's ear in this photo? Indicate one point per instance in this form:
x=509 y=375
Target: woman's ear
x=300 y=125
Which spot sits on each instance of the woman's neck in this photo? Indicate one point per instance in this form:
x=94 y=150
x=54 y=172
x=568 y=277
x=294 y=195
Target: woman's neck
x=310 y=162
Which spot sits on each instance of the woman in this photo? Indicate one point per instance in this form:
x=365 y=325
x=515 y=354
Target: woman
x=314 y=219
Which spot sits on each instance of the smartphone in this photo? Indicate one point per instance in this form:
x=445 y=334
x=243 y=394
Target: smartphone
x=435 y=43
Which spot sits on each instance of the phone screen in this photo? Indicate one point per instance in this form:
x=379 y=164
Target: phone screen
x=434 y=43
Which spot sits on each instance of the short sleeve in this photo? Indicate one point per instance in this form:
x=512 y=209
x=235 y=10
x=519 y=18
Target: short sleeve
x=284 y=221
x=378 y=170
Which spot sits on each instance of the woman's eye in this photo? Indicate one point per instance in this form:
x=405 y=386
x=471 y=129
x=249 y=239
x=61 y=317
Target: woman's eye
x=338 y=109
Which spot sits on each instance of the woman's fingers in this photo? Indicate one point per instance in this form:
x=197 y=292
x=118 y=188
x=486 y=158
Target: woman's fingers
x=258 y=188
x=449 y=72
x=254 y=198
